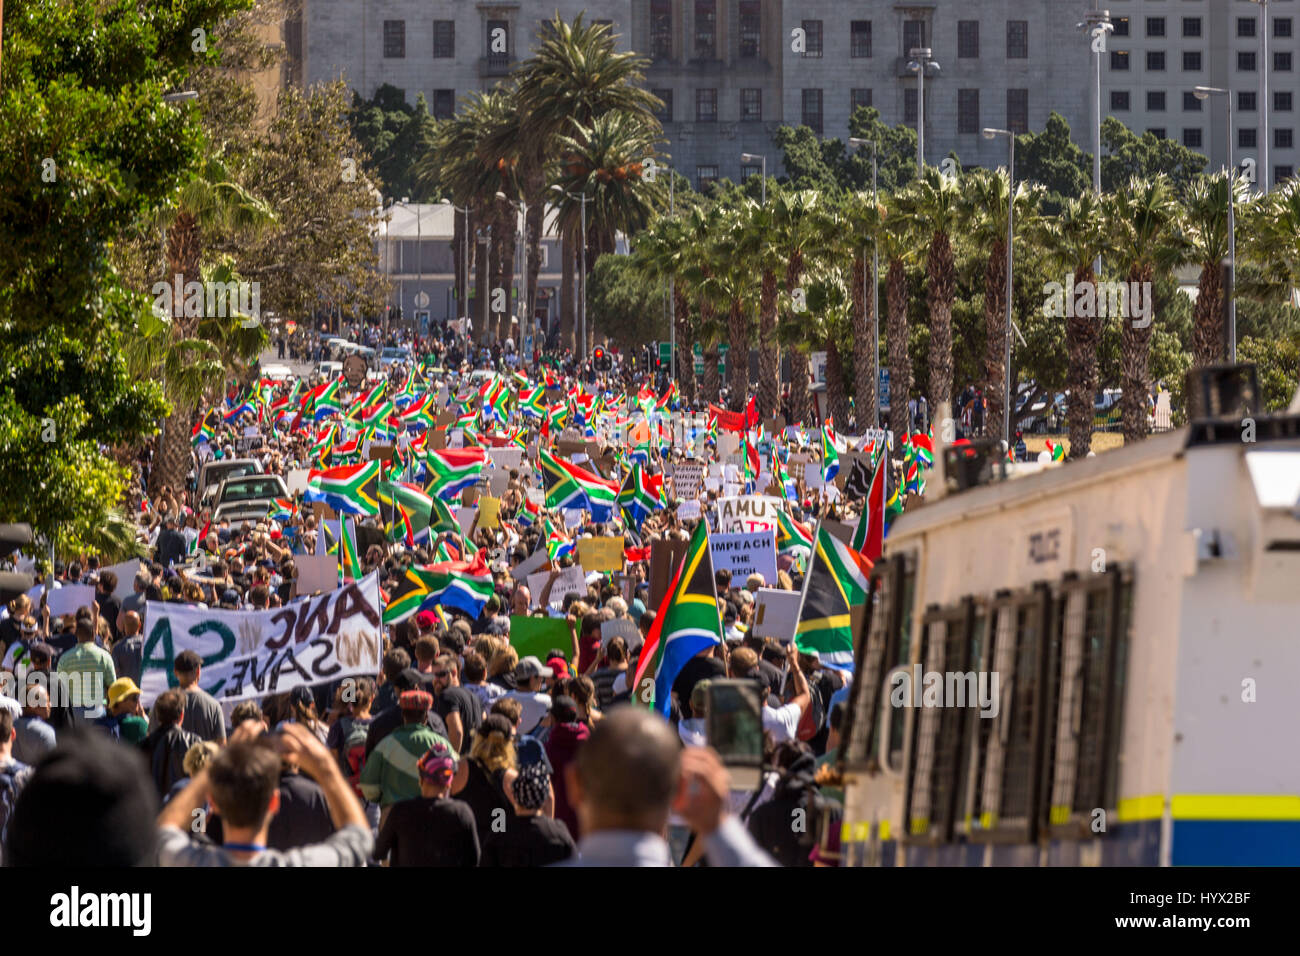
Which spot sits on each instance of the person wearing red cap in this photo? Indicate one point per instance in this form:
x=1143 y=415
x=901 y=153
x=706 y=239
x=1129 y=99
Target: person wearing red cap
x=389 y=775
x=432 y=829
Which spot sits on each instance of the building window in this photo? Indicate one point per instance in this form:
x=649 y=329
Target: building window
x=1246 y=138
x=1281 y=174
x=1157 y=131
x=1283 y=139
x=705 y=176
x=751 y=28
x=1018 y=111
x=909 y=106
x=1155 y=60
x=1156 y=101
x=812 y=31
x=661 y=29
x=665 y=114
x=1191 y=26
x=1246 y=61
x=706 y=106
x=394 y=39
x=1282 y=102
x=444 y=39
x=751 y=104
x=1119 y=100
x=1192 y=60
x=968 y=111
x=706 y=29
x=968 y=39
x=748 y=172
x=812 y=110
x=1119 y=59
x=1245 y=26
x=859 y=97
x=1191 y=104
x=1121 y=26
x=913 y=36
x=498 y=37
x=1282 y=61
x=1192 y=138
x=444 y=104
x=1281 y=26
x=860 y=39
x=1017 y=39
x=1246 y=102
x=1155 y=26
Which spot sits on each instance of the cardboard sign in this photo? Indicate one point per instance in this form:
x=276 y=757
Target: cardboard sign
x=67 y=599
x=745 y=553
x=689 y=510
x=456 y=439
x=316 y=572
x=621 y=627
x=748 y=513
x=688 y=476
x=296 y=480
x=571 y=580
x=665 y=556
x=381 y=453
x=601 y=554
x=488 y=511
x=537 y=559
x=538 y=636
x=506 y=458
x=249 y=654
x=776 y=613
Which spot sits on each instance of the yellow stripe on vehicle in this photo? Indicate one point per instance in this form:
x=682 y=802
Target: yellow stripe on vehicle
x=884 y=829
x=1233 y=806
x=1149 y=807
x=1060 y=814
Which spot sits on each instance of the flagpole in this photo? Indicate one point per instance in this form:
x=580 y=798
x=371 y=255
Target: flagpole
x=807 y=577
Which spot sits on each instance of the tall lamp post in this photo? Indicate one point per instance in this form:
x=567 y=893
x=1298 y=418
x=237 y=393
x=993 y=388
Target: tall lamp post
x=672 y=302
x=921 y=63
x=1007 y=410
x=755 y=158
x=1265 y=171
x=856 y=142
x=583 y=285
x=1098 y=25
x=525 y=316
x=1204 y=93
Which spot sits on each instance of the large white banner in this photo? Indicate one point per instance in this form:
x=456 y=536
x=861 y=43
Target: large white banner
x=249 y=654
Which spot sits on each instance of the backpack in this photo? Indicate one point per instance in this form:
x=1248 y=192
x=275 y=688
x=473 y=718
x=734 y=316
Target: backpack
x=354 y=754
x=12 y=779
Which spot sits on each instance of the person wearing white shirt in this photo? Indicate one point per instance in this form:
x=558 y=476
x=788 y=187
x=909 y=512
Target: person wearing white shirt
x=529 y=673
x=782 y=721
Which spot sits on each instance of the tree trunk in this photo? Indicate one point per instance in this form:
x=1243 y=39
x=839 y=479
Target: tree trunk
x=738 y=357
x=1083 y=335
x=995 y=321
x=183 y=249
x=1135 y=374
x=864 y=349
x=900 y=366
x=837 y=399
x=685 y=353
x=940 y=294
x=535 y=223
x=483 y=291
x=769 y=363
x=567 y=297
x=1207 y=327
x=800 y=397
x=712 y=380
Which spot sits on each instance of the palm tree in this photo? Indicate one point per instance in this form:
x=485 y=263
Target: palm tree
x=700 y=226
x=896 y=247
x=1206 y=241
x=829 y=317
x=574 y=76
x=1268 y=237
x=1143 y=219
x=931 y=206
x=799 y=230
x=729 y=286
x=660 y=254
x=864 y=218
x=1074 y=239
x=209 y=200
x=759 y=247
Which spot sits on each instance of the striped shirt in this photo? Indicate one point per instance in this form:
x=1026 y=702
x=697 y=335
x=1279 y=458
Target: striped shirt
x=89 y=670
x=390 y=774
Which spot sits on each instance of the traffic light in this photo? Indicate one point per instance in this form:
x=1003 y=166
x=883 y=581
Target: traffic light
x=601 y=360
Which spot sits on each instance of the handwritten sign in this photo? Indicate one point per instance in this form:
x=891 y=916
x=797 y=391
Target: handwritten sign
x=748 y=513
x=601 y=554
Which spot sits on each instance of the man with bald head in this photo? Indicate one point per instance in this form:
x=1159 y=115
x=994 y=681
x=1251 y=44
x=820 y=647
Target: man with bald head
x=128 y=651
x=627 y=777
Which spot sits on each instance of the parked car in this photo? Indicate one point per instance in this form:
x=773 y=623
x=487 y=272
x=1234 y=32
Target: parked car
x=213 y=473
x=248 y=497
x=391 y=355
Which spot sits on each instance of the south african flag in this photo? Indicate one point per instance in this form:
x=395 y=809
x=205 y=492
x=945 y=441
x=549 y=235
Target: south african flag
x=348 y=489
x=835 y=584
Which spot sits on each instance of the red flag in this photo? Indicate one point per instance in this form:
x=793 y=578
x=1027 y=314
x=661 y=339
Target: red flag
x=632 y=555
x=875 y=540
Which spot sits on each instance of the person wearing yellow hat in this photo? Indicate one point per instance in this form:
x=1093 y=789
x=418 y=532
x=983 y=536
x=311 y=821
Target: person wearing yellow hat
x=126 y=719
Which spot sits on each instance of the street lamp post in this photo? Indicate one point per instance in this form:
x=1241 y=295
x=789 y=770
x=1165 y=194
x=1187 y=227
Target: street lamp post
x=1204 y=93
x=754 y=158
x=1007 y=410
x=875 y=280
x=1264 y=171
x=583 y=279
x=922 y=61
x=1098 y=25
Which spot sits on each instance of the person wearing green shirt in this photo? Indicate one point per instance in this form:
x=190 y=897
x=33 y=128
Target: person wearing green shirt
x=125 y=712
x=391 y=773
x=88 y=667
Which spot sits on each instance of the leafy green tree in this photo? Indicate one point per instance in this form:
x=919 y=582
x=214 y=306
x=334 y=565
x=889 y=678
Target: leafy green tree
x=627 y=306
x=1126 y=155
x=1054 y=161
x=392 y=135
x=1276 y=362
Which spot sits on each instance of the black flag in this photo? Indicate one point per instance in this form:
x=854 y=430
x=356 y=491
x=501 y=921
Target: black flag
x=858 y=483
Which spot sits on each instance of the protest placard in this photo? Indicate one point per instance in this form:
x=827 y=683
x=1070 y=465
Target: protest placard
x=748 y=513
x=248 y=654
x=775 y=613
x=601 y=554
x=67 y=599
x=506 y=458
x=488 y=511
x=570 y=580
x=745 y=553
x=465 y=516
x=622 y=627
x=688 y=476
x=689 y=510
x=297 y=480
x=573 y=517
x=125 y=572
x=538 y=636
x=538 y=559
x=665 y=556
